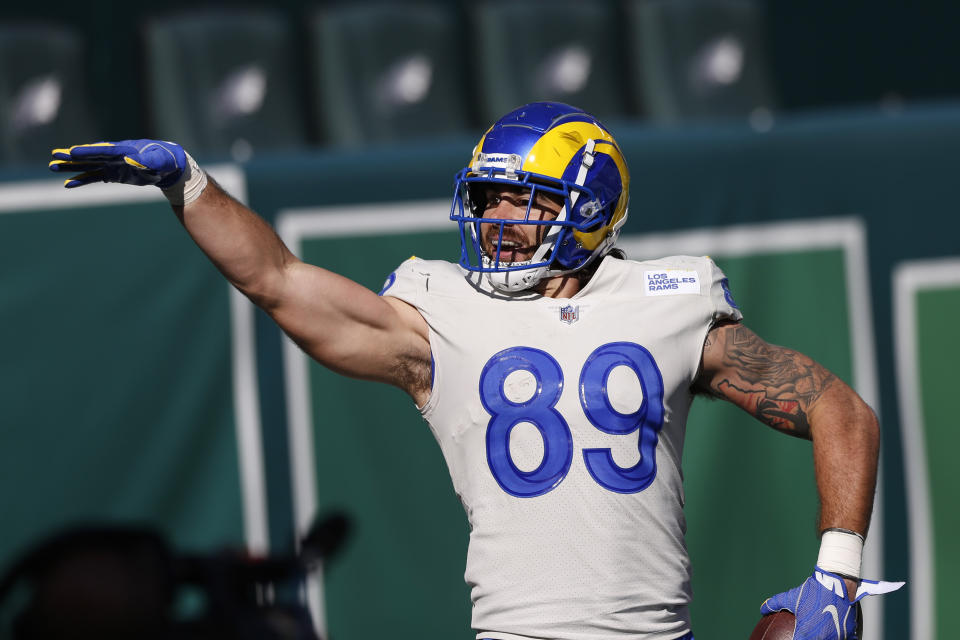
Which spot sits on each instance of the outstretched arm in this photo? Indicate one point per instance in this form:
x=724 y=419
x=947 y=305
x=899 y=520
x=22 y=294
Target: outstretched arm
x=338 y=322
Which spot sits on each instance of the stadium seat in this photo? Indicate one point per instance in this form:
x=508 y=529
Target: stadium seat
x=385 y=71
x=43 y=97
x=224 y=83
x=562 y=50
x=698 y=59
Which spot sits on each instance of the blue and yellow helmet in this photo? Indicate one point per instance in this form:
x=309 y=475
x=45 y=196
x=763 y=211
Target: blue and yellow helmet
x=560 y=150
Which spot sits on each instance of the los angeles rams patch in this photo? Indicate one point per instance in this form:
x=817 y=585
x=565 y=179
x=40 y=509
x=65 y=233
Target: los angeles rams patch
x=671 y=282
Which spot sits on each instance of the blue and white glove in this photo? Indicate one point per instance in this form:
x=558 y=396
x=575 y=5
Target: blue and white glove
x=822 y=606
x=138 y=162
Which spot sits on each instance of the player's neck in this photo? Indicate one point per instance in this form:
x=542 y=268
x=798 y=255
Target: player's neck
x=559 y=286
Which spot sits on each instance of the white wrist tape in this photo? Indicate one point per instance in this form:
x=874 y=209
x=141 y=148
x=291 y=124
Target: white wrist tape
x=190 y=185
x=841 y=552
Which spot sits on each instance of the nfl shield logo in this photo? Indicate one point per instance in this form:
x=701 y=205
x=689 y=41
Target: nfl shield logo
x=569 y=314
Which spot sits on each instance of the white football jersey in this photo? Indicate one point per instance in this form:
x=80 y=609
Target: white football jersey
x=562 y=424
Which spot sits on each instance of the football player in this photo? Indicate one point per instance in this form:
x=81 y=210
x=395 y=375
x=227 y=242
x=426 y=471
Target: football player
x=562 y=423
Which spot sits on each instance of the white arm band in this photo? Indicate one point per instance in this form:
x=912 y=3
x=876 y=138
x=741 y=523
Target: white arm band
x=190 y=185
x=841 y=552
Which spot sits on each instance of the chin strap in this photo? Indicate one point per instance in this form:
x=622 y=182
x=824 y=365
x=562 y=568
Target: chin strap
x=514 y=281
x=586 y=162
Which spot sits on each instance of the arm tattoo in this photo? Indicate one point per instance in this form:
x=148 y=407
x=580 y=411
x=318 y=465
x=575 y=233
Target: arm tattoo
x=778 y=386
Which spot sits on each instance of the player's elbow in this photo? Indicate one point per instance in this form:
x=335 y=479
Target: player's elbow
x=844 y=418
x=860 y=424
x=268 y=288
x=868 y=425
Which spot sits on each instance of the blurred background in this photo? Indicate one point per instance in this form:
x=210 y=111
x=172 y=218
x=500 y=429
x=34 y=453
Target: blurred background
x=231 y=79
x=810 y=148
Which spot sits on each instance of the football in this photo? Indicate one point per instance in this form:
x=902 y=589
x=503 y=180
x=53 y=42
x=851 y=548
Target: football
x=776 y=626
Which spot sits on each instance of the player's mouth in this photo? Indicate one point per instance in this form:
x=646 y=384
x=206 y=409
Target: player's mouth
x=510 y=250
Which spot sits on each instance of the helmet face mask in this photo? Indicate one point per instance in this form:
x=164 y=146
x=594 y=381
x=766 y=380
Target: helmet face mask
x=542 y=150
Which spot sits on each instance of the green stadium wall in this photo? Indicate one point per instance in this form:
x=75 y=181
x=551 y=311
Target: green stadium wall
x=136 y=387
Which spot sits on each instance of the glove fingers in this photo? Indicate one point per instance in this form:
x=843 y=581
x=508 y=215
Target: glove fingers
x=774 y=604
x=139 y=162
x=785 y=601
x=94 y=165
x=95 y=151
x=136 y=165
x=60 y=154
x=83 y=179
x=73 y=166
